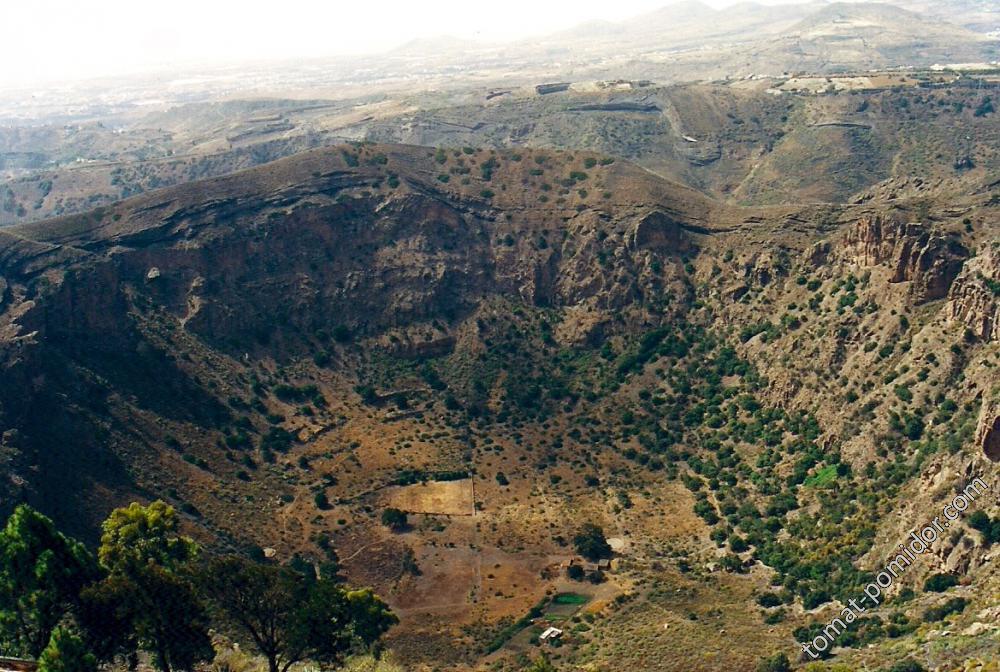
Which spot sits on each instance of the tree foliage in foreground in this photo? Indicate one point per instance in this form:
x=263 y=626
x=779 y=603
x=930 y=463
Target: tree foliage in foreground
x=145 y=594
x=153 y=603
x=66 y=652
x=41 y=575
x=291 y=616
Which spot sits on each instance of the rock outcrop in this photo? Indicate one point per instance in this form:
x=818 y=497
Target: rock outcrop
x=974 y=298
x=913 y=252
x=988 y=430
x=658 y=230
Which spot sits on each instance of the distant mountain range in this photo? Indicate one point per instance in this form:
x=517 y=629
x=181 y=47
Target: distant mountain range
x=933 y=29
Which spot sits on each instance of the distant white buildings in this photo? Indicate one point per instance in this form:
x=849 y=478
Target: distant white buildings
x=964 y=67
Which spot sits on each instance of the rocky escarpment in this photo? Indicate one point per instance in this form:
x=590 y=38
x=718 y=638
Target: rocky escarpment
x=101 y=312
x=973 y=299
x=315 y=242
x=913 y=252
x=988 y=431
x=974 y=303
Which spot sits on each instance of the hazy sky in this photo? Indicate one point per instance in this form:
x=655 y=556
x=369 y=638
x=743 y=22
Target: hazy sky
x=51 y=40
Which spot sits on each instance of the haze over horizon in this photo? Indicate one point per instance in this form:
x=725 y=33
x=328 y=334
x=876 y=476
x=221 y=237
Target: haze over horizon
x=82 y=40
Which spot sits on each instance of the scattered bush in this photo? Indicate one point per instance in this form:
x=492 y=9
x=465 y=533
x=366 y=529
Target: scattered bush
x=394 y=519
x=768 y=600
x=955 y=605
x=776 y=663
x=938 y=583
x=341 y=333
x=990 y=529
x=908 y=665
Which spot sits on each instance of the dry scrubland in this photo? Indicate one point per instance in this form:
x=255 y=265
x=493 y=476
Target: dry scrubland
x=745 y=325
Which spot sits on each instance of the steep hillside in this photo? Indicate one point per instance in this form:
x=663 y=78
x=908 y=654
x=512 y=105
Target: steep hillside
x=506 y=346
x=743 y=141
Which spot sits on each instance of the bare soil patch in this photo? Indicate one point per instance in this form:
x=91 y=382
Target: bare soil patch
x=447 y=498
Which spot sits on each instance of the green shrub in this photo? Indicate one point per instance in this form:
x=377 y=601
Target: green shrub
x=815 y=598
x=985 y=107
x=955 y=605
x=990 y=529
x=768 y=600
x=908 y=665
x=394 y=519
x=487 y=168
x=776 y=663
x=278 y=439
x=290 y=393
x=341 y=333
x=321 y=501
x=938 y=583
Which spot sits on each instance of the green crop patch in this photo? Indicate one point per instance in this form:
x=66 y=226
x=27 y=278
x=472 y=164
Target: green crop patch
x=570 y=598
x=823 y=477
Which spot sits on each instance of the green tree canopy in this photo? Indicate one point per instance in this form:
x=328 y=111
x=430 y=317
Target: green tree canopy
x=370 y=617
x=291 y=617
x=591 y=544
x=137 y=536
x=66 y=652
x=161 y=613
x=41 y=575
x=394 y=519
x=152 y=603
x=106 y=621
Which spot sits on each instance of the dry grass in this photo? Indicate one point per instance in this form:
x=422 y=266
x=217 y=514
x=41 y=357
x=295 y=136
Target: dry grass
x=447 y=498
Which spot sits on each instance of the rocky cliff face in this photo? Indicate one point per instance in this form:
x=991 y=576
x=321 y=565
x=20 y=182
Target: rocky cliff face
x=334 y=246
x=988 y=433
x=913 y=253
x=974 y=302
x=973 y=299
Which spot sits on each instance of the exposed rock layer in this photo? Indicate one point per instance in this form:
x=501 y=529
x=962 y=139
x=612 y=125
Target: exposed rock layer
x=913 y=253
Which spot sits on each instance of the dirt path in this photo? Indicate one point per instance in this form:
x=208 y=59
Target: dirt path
x=358 y=552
